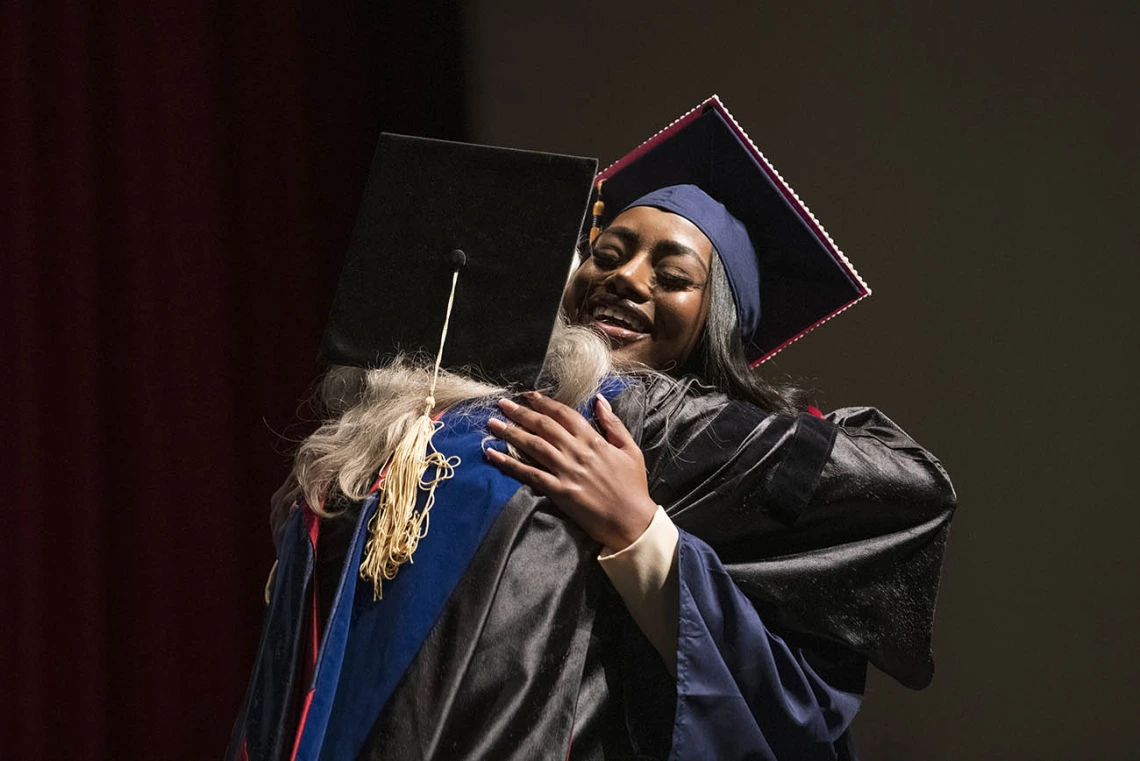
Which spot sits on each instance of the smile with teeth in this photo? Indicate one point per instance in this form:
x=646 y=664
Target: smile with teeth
x=619 y=320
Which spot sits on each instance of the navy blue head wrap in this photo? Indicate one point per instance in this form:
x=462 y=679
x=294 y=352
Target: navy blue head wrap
x=729 y=237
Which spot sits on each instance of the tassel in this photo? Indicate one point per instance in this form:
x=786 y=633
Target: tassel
x=599 y=209
x=397 y=527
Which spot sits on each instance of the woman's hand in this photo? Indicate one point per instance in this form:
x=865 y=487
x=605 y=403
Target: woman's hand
x=598 y=482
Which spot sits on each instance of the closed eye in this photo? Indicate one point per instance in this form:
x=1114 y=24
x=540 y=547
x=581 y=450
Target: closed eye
x=605 y=257
x=674 y=282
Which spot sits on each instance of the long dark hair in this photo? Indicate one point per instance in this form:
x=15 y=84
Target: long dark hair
x=719 y=358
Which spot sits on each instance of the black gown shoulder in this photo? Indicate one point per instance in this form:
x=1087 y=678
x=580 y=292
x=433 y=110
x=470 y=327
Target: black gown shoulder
x=833 y=527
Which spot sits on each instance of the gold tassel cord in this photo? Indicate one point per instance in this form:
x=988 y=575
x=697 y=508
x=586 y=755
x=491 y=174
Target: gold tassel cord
x=598 y=211
x=397 y=527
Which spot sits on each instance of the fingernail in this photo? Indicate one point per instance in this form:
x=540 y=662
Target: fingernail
x=507 y=404
x=605 y=403
x=494 y=423
x=532 y=395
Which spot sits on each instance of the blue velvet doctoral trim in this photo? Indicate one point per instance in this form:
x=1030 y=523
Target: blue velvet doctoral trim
x=742 y=691
x=369 y=643
x=262 y=722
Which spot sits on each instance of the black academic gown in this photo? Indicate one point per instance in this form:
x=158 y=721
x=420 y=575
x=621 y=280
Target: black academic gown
x=807 y=547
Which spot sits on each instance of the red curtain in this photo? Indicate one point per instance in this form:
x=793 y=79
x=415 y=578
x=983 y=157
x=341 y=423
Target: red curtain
x=180 y=180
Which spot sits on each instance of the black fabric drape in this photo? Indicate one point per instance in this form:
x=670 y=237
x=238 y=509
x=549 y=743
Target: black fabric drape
x=179 y=183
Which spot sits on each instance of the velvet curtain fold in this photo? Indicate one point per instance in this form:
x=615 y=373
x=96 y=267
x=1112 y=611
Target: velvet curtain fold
x=179 y=184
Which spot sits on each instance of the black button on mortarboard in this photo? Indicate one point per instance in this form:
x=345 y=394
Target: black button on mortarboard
x=518 y=214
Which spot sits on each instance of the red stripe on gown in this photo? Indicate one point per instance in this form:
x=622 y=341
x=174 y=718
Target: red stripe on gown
x=313 y=526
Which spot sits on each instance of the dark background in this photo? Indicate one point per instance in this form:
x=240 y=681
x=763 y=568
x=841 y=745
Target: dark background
x=180 y=181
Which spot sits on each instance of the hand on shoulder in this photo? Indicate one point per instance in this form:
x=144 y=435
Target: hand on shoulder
x=597 y=479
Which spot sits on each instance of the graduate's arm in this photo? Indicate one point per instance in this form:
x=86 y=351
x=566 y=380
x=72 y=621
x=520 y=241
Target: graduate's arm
x=645 y=576
x=746 y=689
x=782 y=698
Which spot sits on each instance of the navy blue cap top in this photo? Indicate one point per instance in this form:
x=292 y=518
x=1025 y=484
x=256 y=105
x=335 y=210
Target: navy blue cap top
x=777 y=257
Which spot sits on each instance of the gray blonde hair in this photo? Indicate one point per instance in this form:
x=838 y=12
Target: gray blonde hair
x=368 y=411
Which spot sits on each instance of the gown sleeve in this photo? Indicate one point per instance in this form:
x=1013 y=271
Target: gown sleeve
x=742 y=688
x=744 y=691
x=644 y=574
x=807 y=547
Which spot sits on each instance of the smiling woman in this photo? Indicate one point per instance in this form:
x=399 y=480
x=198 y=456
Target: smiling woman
x=645 y=286
x=683 y=255
x=655 y=286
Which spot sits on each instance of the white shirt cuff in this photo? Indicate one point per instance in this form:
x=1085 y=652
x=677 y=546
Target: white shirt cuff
x=645 y=575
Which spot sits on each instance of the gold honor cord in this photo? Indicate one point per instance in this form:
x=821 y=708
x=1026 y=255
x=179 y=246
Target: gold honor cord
x=599 y=210
x=397 y=527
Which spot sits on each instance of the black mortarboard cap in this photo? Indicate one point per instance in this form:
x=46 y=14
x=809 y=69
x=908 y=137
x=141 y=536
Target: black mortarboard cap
x=804 y=279
x=515 y=215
